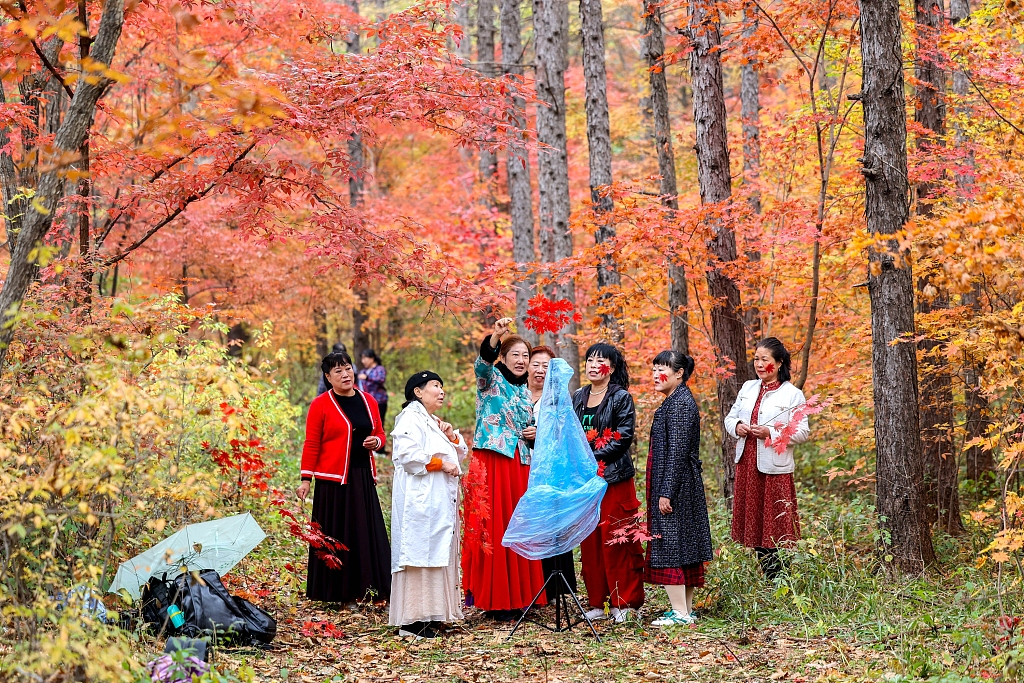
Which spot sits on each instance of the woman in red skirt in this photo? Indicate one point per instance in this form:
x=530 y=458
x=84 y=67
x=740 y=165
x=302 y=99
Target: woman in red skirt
x=764 y=515
x=494 y=578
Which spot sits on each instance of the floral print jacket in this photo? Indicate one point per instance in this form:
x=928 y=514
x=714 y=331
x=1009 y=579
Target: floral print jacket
x=503 y=409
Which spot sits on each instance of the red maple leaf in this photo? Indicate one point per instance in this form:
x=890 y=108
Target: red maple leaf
x=600 y=468
x=545 y=315
x=591 y=435
x=786 y=431
x=605 y=368
x=662 y=377
x=770 y=368
x=607 y=436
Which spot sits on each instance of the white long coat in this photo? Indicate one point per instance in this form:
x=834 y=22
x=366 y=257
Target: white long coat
x=776 y=407
x=424 y=505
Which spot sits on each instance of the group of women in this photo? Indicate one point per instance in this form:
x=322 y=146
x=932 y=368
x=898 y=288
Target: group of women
x=344 y=426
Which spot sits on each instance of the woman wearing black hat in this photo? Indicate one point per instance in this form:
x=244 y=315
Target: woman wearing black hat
x=424 y=512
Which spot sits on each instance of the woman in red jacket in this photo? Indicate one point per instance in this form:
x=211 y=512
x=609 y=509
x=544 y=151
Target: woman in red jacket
x=343 y=429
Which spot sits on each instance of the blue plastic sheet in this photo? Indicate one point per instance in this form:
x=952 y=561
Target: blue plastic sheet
x=562 y=504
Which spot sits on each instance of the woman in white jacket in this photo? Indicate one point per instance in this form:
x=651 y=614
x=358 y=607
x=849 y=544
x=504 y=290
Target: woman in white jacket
x=424 y=512
x=764 y=515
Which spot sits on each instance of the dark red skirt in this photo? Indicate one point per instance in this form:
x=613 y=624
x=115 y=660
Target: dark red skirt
x=764 y=505
x=690 y=575
x=351 y=514
x=494 y=577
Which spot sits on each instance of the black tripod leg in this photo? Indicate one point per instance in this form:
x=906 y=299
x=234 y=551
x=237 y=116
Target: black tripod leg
x=530 y=607
x=582 y=611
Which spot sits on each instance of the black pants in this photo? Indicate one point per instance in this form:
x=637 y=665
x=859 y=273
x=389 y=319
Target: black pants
x=771 y=563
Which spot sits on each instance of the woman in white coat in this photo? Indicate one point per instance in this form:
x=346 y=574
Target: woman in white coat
x=764 y=515
x=424 y=512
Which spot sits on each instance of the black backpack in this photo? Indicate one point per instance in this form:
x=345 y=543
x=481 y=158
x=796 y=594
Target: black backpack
x=157 y=594
x=209 y=608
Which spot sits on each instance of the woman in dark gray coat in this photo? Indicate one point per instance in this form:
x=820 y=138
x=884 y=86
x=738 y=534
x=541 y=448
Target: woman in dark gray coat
x=677 y=511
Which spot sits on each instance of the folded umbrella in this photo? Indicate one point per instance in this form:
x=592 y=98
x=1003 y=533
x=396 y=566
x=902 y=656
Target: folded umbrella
x=219 y=544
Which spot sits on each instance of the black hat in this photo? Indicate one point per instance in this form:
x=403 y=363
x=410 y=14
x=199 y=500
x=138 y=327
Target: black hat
x=418 y=380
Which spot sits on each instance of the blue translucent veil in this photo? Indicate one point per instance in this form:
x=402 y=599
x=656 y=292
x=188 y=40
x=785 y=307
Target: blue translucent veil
x=562 y=504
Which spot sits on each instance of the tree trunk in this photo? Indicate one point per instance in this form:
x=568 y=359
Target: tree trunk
x=551 y=33
x=906 y=536
x=460 y=13
x=979 y=460
x=712 y=149
x=750 y=113
x=599 y=142
x=356 y=188
x=941 y=468
x=488 y=67
x=38 y=217
x=85 y=182
x=653 y=47
x=517 y=164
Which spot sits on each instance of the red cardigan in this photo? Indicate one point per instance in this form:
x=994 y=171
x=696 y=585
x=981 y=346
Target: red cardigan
x=325 y=455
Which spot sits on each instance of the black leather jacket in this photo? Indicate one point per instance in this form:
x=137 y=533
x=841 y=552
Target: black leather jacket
x=617 y=413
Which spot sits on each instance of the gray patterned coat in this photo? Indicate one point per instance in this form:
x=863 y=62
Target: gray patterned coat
x=683 y=535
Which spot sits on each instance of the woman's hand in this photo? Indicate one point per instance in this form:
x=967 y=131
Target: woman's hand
x=530 y=433
x=501 y=330
x=664 y=506
x=742 y=429
x=760 y=432
x=371 y=442
x=302 y=491
x=450 y=468
x=362 y=376
x=447 y=430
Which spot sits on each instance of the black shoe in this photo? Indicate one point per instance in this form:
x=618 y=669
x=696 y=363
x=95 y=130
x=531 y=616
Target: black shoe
x=503 y=615
x=417 y=630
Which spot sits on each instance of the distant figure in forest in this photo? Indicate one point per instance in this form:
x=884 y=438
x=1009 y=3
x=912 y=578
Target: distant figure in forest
x=425 y=512
x=372 y=378
x=343 y=428
x=677 y=511
x=612 y=572
x=495 y=578
x=764 y=514
x=323 y=386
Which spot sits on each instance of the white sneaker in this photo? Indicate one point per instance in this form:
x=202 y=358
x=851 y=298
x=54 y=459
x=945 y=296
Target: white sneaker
x=620 y=615
x=597 y=614
x=674 y=618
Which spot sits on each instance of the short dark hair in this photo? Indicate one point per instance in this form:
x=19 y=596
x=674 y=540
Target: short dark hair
x=335 y=359
x=370 y=353
x=774 y=346
x=677 y=361
x=620 y=372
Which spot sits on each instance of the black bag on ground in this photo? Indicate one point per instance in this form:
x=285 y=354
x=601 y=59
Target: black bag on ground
x=207 y=605
x=156 y=595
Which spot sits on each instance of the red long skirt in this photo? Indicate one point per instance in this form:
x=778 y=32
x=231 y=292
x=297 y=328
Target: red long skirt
x=614 y=572
x=764 y=505
x=494 y=577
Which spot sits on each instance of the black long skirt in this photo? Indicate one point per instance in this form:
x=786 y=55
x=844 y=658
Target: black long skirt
x=351 y=513
x=565 y=564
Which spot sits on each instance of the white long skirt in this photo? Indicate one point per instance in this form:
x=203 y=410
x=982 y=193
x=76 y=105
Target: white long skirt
x=427 y=593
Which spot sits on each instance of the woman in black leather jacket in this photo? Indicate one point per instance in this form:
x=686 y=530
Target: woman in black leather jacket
x=613 y=573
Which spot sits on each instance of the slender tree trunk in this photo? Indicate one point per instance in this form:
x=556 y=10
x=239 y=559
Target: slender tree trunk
x=85 y=182
x=712 y=149
x=551 y=33
x=653 y=47
x=941 y=468
x=750 y=112
x=517 y=167
x=599 y=142
x=906 y=536
x=979 y=460
x=487 y=66
x=460 y=13
x=38 y=217
x=356 y=189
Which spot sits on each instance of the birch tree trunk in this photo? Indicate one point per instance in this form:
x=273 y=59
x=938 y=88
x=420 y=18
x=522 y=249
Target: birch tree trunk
x=38 y=216
x=551 y=34
x=906 y=536
x=653 y=48
x=517 y=164
x=712 y=150
x=599 y=142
